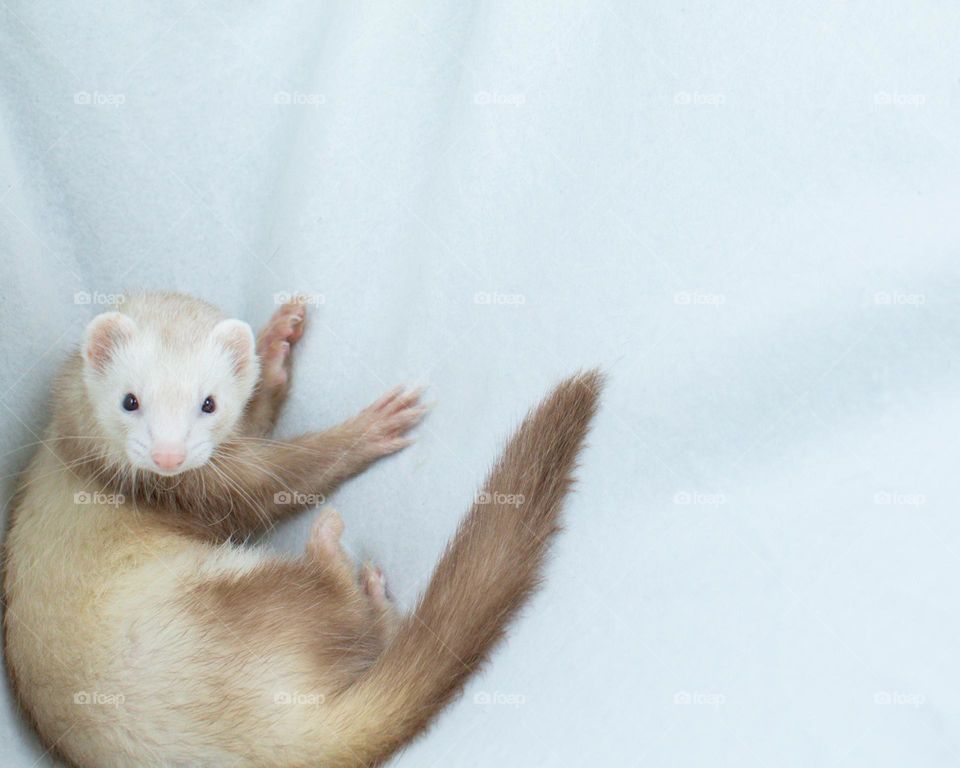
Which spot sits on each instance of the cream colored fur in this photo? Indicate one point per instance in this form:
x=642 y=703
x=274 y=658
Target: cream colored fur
x=133 y=640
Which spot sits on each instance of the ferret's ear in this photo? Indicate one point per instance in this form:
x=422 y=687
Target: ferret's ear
x=237 y=338
x=104 y=336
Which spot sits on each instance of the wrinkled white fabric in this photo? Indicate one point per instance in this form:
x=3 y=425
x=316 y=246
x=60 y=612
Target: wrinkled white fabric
x=746 y=213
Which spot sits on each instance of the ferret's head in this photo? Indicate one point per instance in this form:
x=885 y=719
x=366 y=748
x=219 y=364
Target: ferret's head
x=167 y=387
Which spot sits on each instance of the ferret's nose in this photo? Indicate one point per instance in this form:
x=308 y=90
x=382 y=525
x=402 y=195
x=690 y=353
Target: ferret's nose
x=168 y=456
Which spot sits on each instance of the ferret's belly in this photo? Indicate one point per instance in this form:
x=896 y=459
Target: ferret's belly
x=65 y=562
x=110 y=661
x=86 y=585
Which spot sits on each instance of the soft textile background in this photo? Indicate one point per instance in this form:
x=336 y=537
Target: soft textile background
x=746 y=212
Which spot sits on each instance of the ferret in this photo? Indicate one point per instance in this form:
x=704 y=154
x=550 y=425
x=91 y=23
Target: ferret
x=141 y=626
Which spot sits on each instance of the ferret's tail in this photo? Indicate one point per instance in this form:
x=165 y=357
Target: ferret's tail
x=486 y=574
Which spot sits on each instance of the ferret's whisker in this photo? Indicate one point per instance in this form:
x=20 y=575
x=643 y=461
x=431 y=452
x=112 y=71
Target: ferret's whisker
x=157 y=590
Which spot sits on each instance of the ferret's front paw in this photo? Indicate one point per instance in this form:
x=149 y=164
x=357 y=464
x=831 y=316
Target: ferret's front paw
x=273 y=345
x=383 y=426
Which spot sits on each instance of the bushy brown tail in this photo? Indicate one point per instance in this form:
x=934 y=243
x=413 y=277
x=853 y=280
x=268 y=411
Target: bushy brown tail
x=486 y=574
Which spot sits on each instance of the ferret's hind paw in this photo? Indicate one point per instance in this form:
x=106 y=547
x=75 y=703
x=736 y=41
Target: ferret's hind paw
x=325 y=533
x=375 y=585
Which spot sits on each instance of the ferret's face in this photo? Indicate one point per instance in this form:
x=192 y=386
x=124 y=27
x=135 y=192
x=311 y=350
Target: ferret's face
x=164 y=404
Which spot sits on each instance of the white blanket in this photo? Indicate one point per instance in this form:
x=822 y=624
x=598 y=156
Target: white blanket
x=745 y=212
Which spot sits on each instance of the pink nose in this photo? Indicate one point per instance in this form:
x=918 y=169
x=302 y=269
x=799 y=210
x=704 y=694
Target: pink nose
x=168 y=457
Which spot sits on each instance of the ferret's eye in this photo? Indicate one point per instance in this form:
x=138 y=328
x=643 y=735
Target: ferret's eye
x=209 y=406
x=130 y=402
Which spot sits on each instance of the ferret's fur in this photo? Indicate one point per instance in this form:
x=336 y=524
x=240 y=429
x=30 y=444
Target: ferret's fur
x=140 y=631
